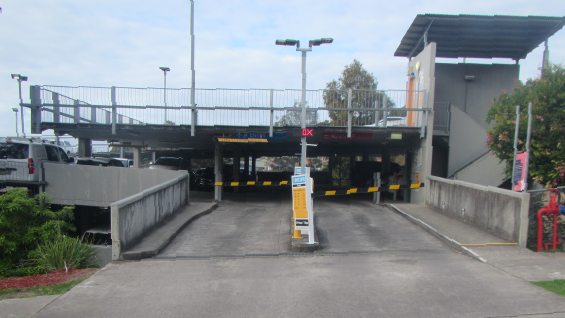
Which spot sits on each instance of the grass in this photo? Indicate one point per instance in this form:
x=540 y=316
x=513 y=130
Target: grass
x=557 y=286
x=58 y=289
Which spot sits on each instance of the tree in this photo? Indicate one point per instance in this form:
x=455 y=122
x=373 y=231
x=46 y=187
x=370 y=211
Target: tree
x=547 y=149
x=294 y=117
x=354 y=76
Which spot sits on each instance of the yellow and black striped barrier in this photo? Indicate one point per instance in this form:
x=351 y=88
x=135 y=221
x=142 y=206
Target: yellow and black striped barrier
x=367 y=190
x=250 y=183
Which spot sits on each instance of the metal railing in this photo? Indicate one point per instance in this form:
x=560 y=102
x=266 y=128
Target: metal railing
x=227 y=107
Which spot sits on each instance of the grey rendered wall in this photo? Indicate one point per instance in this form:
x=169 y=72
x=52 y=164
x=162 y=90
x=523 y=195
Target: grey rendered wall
x=501 y=212
x=474 y=97
x=487 y=170
x=466 y=141
x=133 y=217
x=422 y=160
x=100 y=186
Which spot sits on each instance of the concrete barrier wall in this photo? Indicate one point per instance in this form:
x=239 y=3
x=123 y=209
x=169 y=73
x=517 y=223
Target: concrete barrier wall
x=501 y=212
x=100 y=186
x=137 y=215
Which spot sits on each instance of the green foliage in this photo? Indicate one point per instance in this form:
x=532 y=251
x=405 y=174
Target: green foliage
x=24 y=223
x=547 y=158
x=294 y=117
x=288 y=163
x=557 y=286
x=64 y=252
x=354 y=76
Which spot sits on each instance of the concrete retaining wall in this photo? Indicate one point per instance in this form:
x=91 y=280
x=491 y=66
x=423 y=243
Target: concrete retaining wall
x=100 y=186
x=135 y=216
x=501 y=212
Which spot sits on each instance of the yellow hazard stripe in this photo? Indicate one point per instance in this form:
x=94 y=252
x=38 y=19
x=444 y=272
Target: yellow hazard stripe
x=250 y=182
x=218 y=183
x=234 y=184
x=267 y=183
x=354 y=190
x=489 y=244
x=415 y=186
x=330 y=192
x=394 y=187
x=283 y=182
x=373 y=189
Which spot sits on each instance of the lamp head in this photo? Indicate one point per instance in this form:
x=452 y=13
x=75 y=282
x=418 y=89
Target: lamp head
x=15 y=110
x=317 y=42
x=165 y=69
x=287 y=42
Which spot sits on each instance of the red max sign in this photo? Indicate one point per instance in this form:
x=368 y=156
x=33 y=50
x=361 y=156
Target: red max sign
x=307 y=132
x=362 y=136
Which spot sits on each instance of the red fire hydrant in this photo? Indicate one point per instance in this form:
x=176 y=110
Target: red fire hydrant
x=551 y=208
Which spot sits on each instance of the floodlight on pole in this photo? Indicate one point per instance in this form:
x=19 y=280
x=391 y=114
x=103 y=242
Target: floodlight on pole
x=165 y=70
x=16 y=112
x=291 y=42
x=20 y=79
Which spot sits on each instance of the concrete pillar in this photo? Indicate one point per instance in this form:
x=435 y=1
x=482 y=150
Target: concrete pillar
x=253 y=168
x=385 y=165
x=331 y=165
x=218 y=170
x=122 y=152
x=236 y=160
x=153 y=156
x=246 y=168
x=137 y=157
x=352 y=169
x=84 y=147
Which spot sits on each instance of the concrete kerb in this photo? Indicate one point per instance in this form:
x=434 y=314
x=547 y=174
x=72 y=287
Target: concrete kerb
x=148 y=253
x=451 y=242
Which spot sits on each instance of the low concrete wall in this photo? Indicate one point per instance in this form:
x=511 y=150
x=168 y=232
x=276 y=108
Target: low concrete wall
x=135 y=216
x=100 y=186
x=501 y=212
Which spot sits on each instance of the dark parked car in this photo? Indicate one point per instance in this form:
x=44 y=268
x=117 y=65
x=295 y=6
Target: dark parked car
x=101 y=162
x=170 y=163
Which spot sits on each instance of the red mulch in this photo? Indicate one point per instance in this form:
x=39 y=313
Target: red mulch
x=53 y=278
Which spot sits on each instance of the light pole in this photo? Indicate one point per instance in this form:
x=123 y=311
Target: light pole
x=16 y=112
x=316 y=42
x=21 y=79
x=165 y=70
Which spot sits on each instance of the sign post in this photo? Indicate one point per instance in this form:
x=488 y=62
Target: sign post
x=302 y=205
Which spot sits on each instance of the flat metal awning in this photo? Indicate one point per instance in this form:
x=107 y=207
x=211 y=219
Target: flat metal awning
x=478 y=36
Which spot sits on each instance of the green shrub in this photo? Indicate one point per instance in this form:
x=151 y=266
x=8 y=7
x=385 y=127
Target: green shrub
x=26 y=222
x=64 y=252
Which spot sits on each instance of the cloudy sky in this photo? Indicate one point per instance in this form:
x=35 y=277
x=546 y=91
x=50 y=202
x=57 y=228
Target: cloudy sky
x=122 y=43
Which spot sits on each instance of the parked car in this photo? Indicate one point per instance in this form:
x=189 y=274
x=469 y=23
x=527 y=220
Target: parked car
x=126 y=162
x=101 y=162
x=21 y=160
x=170 y=163
x=393 y=121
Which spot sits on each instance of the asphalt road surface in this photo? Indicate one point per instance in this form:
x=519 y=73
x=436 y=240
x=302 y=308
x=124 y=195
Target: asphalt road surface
x=234 y=262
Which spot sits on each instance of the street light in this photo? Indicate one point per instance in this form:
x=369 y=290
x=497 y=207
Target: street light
x=20 y=80
x=16 y=111
x=316 y=42
x=165 y=70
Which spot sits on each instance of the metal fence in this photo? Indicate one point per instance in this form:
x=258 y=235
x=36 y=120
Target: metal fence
x=230 y=107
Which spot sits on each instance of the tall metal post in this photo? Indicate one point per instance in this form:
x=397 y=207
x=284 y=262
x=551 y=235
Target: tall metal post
x=192 y=87
x=165 y=93
x=515 y=143
x=21 y=106
x=527 y=163
x=303 y=119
